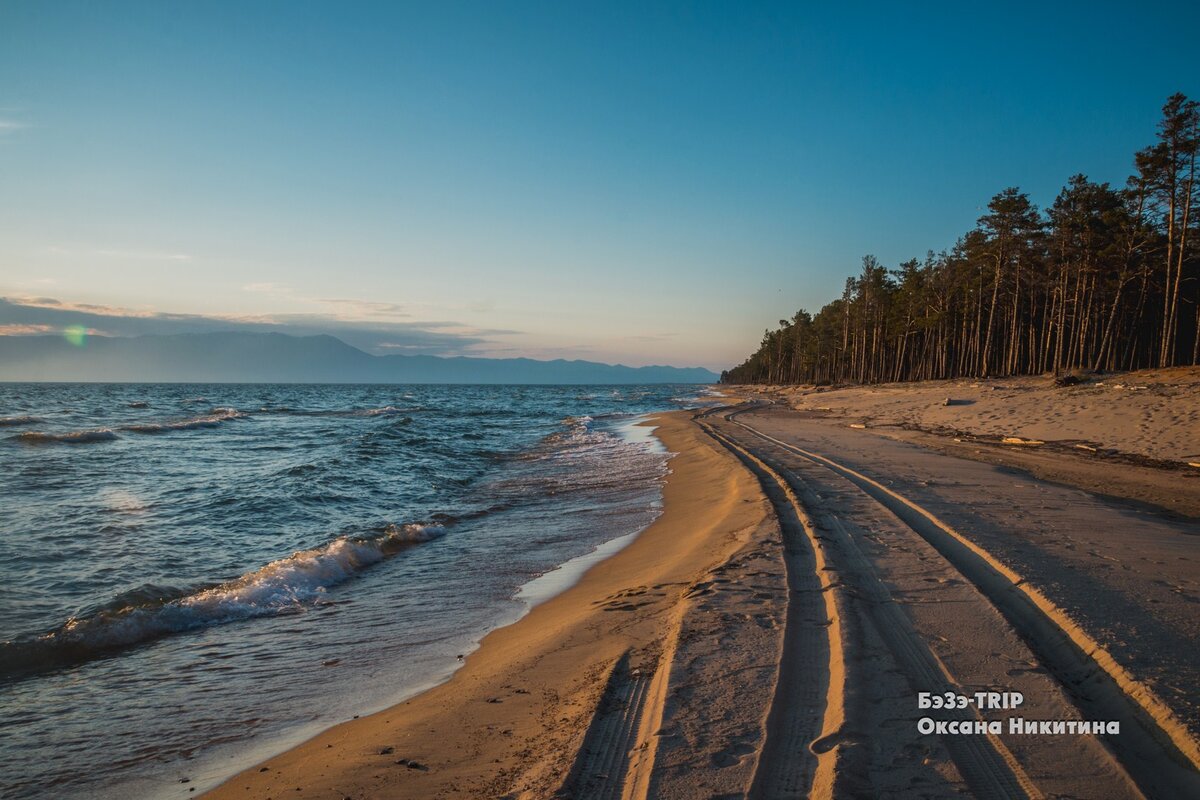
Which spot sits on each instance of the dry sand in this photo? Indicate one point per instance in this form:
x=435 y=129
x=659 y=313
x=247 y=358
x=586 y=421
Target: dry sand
x=1131 y=435
x=1151 y=413
x=768 y=635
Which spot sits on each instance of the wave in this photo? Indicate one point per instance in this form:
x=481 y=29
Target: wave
x=152 y=612
x=210 y=420
x=72 y=437
x=9 y=422
x=139 y=404
x=214 y=418
x=385 y=411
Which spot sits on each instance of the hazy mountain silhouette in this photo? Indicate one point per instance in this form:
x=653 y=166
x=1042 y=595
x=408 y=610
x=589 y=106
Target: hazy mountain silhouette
x=278 y=358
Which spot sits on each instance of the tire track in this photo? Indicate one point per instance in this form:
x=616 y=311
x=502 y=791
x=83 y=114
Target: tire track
x=603 y=762
x=1154 y=745
x=984 y=762
x=800 y=755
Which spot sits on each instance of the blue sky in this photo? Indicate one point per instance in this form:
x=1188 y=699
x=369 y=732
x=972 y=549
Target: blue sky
x=587 y=180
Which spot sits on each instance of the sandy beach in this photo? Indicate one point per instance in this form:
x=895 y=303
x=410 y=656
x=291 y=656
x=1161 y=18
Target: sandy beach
x=824 y=557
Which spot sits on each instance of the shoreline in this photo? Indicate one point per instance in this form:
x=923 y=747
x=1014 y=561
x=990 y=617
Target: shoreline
x=773 y=628
x=531 y=594
x=514 y=714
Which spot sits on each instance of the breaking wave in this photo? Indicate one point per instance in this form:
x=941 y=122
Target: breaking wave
x=210 y=420
x=152 y=612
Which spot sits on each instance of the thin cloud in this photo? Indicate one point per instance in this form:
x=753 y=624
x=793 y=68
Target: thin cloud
x=143 y=255
x=124 y=254
x=365 y=308
x=347 y=308
x=15 y=329
x=449 y=326
x=86 y=308
x=32 y=315
x=649 y=337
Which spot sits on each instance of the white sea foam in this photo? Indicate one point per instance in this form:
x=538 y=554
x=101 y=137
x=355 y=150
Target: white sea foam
x=707 y=397
x=379 y=412
x=121 y=500
x=585 y=458
x=411 y=533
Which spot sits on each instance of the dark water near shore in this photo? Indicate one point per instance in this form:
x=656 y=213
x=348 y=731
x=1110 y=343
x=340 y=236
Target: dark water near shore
x=192 y=576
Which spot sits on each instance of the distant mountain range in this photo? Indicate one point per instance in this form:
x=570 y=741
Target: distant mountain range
x=236 y=357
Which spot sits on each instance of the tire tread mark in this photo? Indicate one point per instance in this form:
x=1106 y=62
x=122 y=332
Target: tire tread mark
x=1072 y=655
x=602 y=763
x=985 y=763
x=803 y=711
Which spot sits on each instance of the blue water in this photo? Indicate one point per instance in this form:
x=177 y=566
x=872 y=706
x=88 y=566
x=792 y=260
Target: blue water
x=195 y=576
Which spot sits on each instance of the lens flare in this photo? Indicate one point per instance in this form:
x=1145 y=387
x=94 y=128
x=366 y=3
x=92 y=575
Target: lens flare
x=75 y=334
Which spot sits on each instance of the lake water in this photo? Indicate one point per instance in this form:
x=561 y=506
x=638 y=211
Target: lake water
x=193 y=577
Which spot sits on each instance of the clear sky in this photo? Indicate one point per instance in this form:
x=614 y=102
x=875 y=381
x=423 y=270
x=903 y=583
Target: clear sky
x=643 y=183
